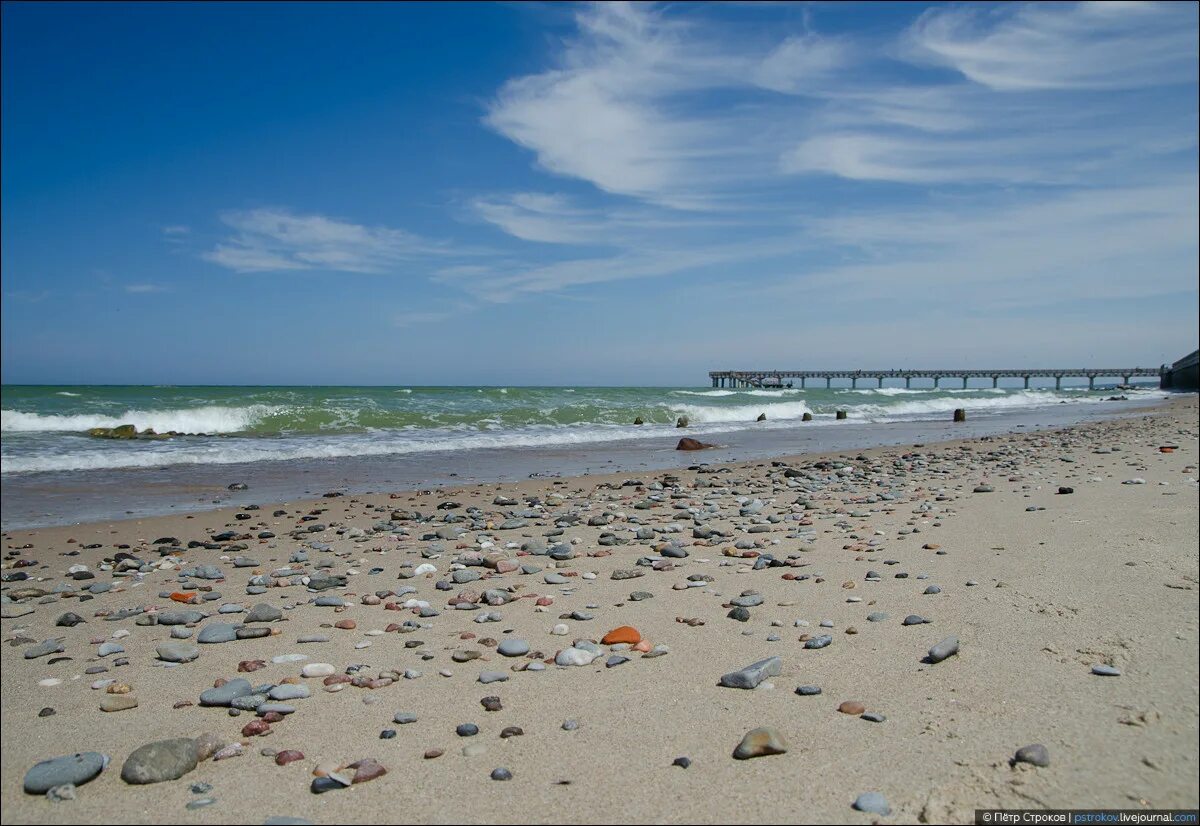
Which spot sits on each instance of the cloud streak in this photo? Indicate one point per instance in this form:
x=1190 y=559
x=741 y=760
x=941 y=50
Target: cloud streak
x=277 y=240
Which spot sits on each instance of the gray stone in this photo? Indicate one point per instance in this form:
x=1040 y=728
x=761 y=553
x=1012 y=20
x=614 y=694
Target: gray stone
x=264 y=613
x=513 y=647
x=1035 y=754
x=753 y=674
x=1106 y=671
x=217 y=632
x=289 y=691
x=178 y=617
x=872 y=803
x=44 y=648
x=159 y=761
x=75 y=769
x=946 y=648
x=177 y=652
x=226 y=694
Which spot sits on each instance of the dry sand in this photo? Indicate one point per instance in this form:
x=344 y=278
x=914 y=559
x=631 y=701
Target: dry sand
x=1105 y=575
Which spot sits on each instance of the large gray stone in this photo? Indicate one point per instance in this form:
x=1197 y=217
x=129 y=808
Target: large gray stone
x=177 y=652
x=264 y=613
x=70 y=768
x=217 y=632
x=159 y=761
x=226 y=694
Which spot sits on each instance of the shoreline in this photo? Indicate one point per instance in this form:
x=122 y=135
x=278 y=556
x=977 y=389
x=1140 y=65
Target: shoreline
x=46 y=499
x=1105 y=575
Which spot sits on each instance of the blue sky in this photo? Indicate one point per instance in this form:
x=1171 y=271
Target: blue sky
x=609 y=194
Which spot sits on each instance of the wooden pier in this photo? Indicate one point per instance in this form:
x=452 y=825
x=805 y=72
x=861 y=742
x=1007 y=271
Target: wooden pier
x=785 y=378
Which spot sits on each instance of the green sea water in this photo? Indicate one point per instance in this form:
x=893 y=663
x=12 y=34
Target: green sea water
x=44 y=427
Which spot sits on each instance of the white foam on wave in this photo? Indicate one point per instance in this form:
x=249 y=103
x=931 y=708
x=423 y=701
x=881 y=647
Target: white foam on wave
x=123 y=455
x=914 y=408
x=783 y=391
x=703 y=414
x=208 y=419
x=66 y=393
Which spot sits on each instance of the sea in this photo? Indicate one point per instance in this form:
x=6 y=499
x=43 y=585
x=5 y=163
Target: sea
x=286 y=442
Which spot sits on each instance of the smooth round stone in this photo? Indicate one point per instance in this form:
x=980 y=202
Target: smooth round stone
x=314 y=638
x=75 y=769
x=289 y=658
x=466 y=730
x=318 y=670
x=181 y=632
x=877 y=616
x=513 y=647
x=1035 y=754
x=933 y=589
x=226 y=694
x=808 y=690
x=177 y=652
x=280 y=708
x=289 y=691
x=1106 y=671
x=109 y=648
x=404 y=718
x=486 y=677
x=501 y=774
x=872 y=803
x=873 y=717
x=216 y=633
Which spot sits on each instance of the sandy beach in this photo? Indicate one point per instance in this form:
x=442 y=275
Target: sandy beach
x=976 y=540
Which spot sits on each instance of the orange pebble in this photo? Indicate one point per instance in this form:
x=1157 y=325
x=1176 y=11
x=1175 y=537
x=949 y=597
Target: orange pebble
x=626 y=633
x=182 y=597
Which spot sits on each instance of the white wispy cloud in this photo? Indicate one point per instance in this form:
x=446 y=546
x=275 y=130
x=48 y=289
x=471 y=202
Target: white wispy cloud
x=271 y=240
x=1038 y=46
x=145 y=288
x=619 y=109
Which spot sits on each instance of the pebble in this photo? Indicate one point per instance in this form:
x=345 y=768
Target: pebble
x=1035 y=754
x=73 y=769
x=946 y=648
x=760 y=742
x=1106 y=670
x=872 y=803
x=753 y=674
x=513 y=647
